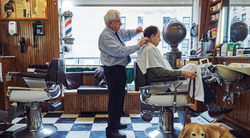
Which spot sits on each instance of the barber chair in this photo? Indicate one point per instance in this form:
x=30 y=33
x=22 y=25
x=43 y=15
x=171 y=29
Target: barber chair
x=154 y=93
x=43 y=85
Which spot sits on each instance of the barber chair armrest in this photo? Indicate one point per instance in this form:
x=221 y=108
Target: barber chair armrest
x=165 y=79
x=26 y=88
x=41 y=70
x=31 y=75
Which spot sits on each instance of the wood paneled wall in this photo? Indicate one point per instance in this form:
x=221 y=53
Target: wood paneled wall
x=8 y=65
x=75 y=103
x=203 y=11
x=47 y=45
x=88 y=78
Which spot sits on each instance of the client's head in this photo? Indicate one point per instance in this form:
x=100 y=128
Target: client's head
x=153 y=33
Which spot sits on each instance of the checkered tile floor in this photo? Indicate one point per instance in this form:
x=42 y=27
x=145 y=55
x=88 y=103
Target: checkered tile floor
x=90 y=125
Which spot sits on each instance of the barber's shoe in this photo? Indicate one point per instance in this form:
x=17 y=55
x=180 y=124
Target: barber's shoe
x=122 y=126
x=116 y=134
x=222 y=111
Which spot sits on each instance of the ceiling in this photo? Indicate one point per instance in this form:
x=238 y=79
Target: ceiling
x=131 y=2
x=146 y=2
x=240 y=2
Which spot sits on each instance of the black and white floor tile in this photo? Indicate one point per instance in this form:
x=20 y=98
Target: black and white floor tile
x=90 y=125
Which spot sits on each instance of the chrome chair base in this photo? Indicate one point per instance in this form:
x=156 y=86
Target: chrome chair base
x=35 y=127
x=165 y=128
x=153 y=132
x=45 y=131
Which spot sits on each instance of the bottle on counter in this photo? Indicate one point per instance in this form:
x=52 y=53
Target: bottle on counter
x=218 y=52
x=238 y=50
x=230 y=48
x=246 y=51
x=224 y=47
x=204 y=44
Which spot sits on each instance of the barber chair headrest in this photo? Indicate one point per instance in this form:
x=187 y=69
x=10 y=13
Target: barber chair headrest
x=56 y=71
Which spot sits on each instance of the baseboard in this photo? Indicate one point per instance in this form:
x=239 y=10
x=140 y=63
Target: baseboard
x=236 y=125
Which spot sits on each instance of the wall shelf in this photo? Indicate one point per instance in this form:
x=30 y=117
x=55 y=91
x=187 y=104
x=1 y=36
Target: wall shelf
x=213 y=21
x=214 y=3
x=213 y=38
x=214 y=12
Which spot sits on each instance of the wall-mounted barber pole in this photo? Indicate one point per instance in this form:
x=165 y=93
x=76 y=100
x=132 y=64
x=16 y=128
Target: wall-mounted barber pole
x=68 y=27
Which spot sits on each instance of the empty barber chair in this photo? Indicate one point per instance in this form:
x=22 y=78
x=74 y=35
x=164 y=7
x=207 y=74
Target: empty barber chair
x=153 y=92
x=43 y=85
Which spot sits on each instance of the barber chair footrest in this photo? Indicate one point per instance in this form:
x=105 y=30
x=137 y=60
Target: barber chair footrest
x=46 y=131
x=153 y=132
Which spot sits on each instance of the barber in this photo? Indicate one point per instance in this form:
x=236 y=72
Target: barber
x=115 y=57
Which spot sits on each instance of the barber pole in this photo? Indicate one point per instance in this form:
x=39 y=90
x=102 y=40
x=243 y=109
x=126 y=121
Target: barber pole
x=68 y=27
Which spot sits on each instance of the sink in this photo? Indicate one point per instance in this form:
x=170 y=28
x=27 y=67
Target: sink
x=232 y=72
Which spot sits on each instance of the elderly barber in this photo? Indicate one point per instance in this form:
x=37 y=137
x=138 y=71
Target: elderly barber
x=115 y=57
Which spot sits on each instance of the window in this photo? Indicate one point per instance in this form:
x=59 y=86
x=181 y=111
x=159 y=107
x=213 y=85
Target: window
x=235 y=19
x=140 y=22
x=244 y=17
x=165 y=20
x=164 y=44
x=85 y=48
x=123 y=20
x=248 y=43
x=186 y=21
x=243 y=8
x=234 y=8
x=185 y=46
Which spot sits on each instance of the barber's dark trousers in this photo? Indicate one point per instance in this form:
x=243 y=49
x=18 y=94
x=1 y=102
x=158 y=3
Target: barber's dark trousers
x=116 y=80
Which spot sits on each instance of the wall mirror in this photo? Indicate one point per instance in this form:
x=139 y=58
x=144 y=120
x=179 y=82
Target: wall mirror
x=23 y=9
x=239 y=11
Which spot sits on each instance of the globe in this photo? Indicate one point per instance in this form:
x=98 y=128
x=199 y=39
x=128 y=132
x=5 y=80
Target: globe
x=174 y=33
x=238 y=31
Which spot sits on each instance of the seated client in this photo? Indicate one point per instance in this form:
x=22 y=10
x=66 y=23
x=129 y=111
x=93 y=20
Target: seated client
x=152 y=63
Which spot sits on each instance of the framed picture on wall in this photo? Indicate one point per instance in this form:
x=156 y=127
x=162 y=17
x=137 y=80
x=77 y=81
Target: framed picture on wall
x=23 y=9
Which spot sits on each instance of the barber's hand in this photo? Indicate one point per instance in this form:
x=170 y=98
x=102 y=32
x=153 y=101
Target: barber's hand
x=190 y=74
x=143 y=41
x=138 y=30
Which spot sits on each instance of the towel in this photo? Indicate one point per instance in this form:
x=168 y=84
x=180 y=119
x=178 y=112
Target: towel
x=149 y=56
